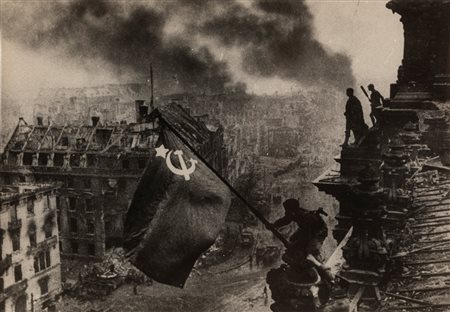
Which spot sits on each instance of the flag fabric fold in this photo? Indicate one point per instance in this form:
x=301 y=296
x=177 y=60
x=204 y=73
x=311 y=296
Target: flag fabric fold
x=176 y=214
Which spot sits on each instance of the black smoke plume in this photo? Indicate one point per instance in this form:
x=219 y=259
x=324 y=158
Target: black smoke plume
x=275 y=38
x=129 y=38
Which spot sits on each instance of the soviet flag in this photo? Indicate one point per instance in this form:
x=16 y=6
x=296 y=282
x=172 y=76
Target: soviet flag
x=176 y=213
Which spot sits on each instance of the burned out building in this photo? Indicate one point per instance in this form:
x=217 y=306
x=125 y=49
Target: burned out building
x=30 y=271
x=282 y=142
x=76 y=105
x=98 y=167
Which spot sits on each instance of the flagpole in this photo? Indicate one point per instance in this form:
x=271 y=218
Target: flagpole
x=257 y=214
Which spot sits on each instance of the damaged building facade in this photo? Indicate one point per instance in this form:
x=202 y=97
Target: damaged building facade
x=279 y=139
x=274 y=126
x=30 y=272
x=98 y=167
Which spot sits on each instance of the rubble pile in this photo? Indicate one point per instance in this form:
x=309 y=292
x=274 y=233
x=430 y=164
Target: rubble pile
x=220 y=251
x=115 y=262
x=102 y=278
x=421 y=283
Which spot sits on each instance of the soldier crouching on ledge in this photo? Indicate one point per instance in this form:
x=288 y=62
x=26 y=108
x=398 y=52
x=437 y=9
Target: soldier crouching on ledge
x=303 y=255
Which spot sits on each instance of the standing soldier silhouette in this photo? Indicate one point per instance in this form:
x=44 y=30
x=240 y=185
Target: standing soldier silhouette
x=376 y=101
x=354 y=119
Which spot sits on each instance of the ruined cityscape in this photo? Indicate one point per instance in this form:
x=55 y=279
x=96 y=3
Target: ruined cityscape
x=340 y=196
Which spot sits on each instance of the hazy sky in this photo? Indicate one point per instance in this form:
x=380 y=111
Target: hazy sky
x=368 y=32
x=365 y=30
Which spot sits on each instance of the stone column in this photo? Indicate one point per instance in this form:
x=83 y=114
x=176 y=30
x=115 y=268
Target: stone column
x=366 y=249
x=437 y=137
x=394 y=169
x=441 y=82
x=425 y=70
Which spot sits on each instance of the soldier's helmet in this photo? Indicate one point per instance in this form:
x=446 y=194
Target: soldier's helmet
x=291 y=205
x=371 y=86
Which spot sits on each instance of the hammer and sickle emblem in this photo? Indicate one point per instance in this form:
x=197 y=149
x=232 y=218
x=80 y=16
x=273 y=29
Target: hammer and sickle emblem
x=163 y=152
x=184 y=171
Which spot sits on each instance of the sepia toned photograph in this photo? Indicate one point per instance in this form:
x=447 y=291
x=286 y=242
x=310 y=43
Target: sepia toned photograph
x=224 y=155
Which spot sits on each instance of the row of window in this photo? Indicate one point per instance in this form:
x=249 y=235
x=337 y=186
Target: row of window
x=83 y=182
x=88 y=204
x=70 y=182
x=42 y=261
x=90 y=226
x=75 y=248
x=15 y=237
x=21 y=301
x=30 y=204
x=78 y=160
x=17 y=278
x=43 y=282
x=32 y=235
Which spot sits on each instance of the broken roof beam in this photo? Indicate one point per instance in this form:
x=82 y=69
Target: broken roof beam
x=59 y=138
x=13 y=135
x=28 y=138
x=112 y=142
x=94 y=129
x=69 y=149
x=111 y=136
x=45 y=136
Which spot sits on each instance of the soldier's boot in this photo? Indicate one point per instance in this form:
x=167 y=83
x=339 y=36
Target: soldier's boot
x=347 y=137
x=315 y=294
x=373 y=119
x=360 y=135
